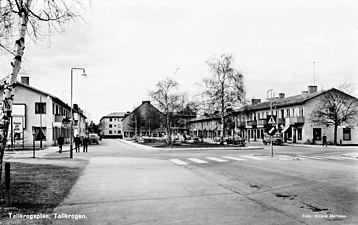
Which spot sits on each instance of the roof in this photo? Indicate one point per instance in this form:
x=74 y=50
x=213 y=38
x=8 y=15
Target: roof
x=115 y=114
x=205 y=118
x=143 y=102
x=288 y=101
x=47 y=94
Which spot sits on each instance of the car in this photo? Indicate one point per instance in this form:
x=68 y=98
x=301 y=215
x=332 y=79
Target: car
x=93 y=138
x=276 y=139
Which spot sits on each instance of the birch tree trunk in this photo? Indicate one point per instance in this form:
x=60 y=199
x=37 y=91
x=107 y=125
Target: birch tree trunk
x=8 y=95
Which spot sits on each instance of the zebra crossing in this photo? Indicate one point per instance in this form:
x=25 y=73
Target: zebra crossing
x=241 y=158
x=210 y=159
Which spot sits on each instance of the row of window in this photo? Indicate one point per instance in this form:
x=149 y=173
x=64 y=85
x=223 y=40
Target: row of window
x=114 y=132
x=110 y=125
x=282 y=113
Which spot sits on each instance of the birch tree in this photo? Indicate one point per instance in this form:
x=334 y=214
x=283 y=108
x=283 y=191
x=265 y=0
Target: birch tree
x=168 y=100
x=336 y=108
x=224 y=88
x=20 y=19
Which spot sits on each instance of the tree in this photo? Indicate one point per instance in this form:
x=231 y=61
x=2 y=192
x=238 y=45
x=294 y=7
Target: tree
x=224 y=88
x=336 y=108
x=167 y=100
x=15 y=16
x=93 y=128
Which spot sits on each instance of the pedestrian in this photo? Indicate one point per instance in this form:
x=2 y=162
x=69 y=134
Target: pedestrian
x=60 y=141
x=324 y=140
x=77 y=143
x=85 y=144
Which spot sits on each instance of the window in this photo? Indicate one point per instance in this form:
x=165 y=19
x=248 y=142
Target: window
x=300 y=112
x=110 y=125
x=288 y=113
x=346 y=134
x=110 y=132
x=110 y=119
x=40 y=134
x=40 y=107
x=119 y=132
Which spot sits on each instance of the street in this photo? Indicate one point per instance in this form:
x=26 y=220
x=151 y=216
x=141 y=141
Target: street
x=126 y=184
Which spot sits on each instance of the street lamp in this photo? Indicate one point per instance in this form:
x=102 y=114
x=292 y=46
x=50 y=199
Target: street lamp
x=83 y=74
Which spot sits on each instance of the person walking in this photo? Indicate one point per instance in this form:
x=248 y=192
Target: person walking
x=324 y=140
x=60 y=141
x=85 y=144
x=77 y=143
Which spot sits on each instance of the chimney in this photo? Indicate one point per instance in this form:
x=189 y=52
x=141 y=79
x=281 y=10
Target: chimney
x=304 y=92
x=25 y=80
x=281 y=95
x=312 y=89
x=145 y=102
x=75 y=107
x=255 y=101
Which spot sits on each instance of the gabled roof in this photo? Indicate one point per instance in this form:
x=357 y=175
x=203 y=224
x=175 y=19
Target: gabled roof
x=143 y=102
x=54 y=98
x=289 y=101
x=115 y=114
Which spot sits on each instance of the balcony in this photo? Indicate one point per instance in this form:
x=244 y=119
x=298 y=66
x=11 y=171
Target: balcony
x=281 y=121
x=262 y=123
x=241 y=124
x=252 y=123
x=295 y=120
x=58 y=118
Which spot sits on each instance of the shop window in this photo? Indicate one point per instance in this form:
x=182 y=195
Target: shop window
x=346 y=134
x=317 y=133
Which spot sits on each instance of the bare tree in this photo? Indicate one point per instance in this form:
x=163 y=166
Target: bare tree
x=224 y=88
x=19 y=19
x=167 y=101
x=336 y=108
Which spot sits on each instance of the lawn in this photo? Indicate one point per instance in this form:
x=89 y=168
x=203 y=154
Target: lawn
x=188 y=145
x=37 y=188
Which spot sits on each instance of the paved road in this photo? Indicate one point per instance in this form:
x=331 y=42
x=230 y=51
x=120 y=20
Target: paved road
x=123 y=184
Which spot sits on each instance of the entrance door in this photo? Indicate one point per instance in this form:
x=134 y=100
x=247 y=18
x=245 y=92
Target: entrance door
x=317 y=134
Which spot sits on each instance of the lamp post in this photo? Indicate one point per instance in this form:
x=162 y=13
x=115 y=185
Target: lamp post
x=83 y=74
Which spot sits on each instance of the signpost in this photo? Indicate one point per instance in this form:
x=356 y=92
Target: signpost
x=271 y=130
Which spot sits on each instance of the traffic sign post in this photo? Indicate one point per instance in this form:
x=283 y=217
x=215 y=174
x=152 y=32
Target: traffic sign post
x=271 y=130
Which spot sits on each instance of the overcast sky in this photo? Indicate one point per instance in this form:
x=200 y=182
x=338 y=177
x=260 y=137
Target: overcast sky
x=127 y=46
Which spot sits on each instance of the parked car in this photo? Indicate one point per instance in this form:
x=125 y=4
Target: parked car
x=276 y=139
x=237 y=141
x=93 y=138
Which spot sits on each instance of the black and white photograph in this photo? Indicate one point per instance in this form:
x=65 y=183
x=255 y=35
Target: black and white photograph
x=179 y=112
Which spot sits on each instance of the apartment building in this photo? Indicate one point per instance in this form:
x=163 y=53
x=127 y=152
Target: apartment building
x=292 y=120
x=39 y=117
x=145 y=120
x=111 y=125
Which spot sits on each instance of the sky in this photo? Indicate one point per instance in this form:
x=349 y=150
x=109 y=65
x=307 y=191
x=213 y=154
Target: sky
x=127 y=46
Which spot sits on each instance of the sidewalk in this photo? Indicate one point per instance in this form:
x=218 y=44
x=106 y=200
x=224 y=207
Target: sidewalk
x=344 y=147
x=39 y=153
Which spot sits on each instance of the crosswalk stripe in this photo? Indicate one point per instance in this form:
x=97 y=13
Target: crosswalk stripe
x=197 y=160
x=311 y=157
x=234 y=158
x=178 y=161
x=216 y=159
x=349 y=158
x=251 y=157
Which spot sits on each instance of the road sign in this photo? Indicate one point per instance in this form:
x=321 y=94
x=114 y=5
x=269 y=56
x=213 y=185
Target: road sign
x=271 y=119
x=271 y=130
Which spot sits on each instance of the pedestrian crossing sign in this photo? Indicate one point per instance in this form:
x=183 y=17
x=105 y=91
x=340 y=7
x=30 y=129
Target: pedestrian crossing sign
x=271 y=119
